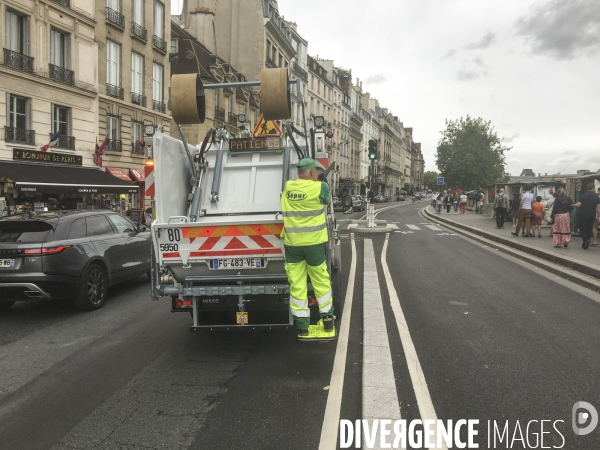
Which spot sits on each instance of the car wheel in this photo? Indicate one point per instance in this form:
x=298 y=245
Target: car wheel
x=5 y=306
x=93 y=289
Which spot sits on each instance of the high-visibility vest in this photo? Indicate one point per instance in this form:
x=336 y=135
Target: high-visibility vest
x=304 y=220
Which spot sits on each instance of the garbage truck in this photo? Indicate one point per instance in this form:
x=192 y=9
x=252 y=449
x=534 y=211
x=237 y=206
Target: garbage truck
x=217 y=253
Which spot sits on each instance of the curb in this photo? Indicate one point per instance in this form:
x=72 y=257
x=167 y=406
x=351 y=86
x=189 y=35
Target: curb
x=523 y=251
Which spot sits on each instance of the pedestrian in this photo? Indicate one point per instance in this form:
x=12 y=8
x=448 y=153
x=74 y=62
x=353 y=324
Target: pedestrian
x=589 y=204
x=305 y=244
x=561 y=217
x=434 y=197
x=537 y=214
x=548 y=212
x=439 y=202
x=463 y=203
x=596 y=225
x=148 y=216
x=500 y=206
x=514 y=210
x=479 y=202
x=455 y=201
x=448 y=199
x=525 y=212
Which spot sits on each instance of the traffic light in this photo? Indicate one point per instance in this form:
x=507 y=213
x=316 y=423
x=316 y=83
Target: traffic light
x=372 y=149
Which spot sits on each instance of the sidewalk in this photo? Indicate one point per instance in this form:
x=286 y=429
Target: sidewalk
x=585 y=261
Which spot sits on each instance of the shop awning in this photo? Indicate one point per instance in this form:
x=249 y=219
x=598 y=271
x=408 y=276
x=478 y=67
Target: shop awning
x=137 y=175
x=50 y=179
x=119 y=173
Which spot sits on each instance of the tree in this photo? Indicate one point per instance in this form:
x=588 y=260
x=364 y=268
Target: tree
x=430 y=179
x=470 y=155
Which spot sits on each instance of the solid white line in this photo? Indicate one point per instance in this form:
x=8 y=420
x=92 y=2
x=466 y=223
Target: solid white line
x=331 y=420
x=434 y=228
x=417 y=377
x=412 y=227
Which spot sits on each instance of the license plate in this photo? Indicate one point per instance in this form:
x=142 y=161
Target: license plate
x=7 y=263
x=238 y=263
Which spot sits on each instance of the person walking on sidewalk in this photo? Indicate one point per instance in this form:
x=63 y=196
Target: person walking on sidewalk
x=548 y=212
x=479 y=202
x=514 y=210
x=500 y=205
x=537 y=214
x=525 y=213
x=589 y=204
x=455 y=201
x=561 y=217
x=448 y=200
x=463 y=203
x=439 y=202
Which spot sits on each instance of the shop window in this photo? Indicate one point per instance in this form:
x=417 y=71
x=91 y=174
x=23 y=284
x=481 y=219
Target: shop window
x=112 y=127
x=121 y=224
x=98 y=226
x=17 y=32
x=60 y=49
x=19 y=112
x=77 y=229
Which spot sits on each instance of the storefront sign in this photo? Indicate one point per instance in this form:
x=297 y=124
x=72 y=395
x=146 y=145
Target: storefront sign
x=136 y=216
x=251 y=145
x=46 y=157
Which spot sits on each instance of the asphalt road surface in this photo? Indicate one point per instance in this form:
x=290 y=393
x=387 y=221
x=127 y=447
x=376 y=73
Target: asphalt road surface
x=494 y=339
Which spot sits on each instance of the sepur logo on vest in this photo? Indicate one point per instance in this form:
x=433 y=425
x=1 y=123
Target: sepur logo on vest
x=296 y=195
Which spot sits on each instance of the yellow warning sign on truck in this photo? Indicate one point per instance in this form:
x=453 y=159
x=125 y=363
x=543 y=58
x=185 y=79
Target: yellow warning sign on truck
x=266 y=128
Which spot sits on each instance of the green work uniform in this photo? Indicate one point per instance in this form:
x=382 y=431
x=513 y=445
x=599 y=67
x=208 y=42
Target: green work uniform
x=305 y=234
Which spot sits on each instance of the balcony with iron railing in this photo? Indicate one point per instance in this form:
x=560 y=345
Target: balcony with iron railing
x=66 y=142
x=65 y=3
x=159 y=43
x=138 y=99
x=299 y=71
x=61 y=74
x=357 y=118
x=115 y=18
x=219 y=113
x=19 y=135
x=158 y=106
x=232 y=119
x=139 y=32
x=137 y=149
x=357 y=134
x=18 y=61
x=115 y=146
x=114 y=91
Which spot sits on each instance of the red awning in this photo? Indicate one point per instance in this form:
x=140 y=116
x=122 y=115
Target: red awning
x=137 y=175
x=119 y=173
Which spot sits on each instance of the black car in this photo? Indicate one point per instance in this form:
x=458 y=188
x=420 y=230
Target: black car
x=400 y=198
x=69 y=254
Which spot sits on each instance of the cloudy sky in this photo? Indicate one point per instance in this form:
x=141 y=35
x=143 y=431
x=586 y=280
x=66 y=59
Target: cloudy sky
x=530 y=67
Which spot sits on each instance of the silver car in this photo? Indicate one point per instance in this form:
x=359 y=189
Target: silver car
x=358 y=203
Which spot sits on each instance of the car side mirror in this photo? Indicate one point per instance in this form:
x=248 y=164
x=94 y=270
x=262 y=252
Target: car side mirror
x=141 y=228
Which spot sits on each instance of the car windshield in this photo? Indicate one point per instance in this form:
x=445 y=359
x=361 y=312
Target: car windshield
x=25 y=231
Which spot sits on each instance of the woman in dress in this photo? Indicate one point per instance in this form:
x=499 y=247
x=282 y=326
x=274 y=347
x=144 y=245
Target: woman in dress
x=561 y=217
x=515 y=207
x=548 y=212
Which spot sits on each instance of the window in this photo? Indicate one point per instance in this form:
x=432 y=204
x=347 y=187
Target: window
x=17 y=32
x=159 y=18
x=114 y=5
x=217 y=98
x=19 y=112
x=137 y=73
x=268 y=55
x=174 y=46
x=157 y=82
x=280 y=60
x=318 y=86
x=98 y=226
x=60 y=49
x=61 y=120
x=231 y=103
x=112 y=127
x=121 y=224
x=77 y=229
x=138 y=12
x=113 y=54
x=136 y=132
x=312 y=81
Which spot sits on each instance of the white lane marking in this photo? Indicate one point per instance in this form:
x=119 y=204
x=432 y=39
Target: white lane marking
x=415 y=370
x=434 y=228
x=331 y=420
x=412 y=227
x=379 y=394
x=404 y=232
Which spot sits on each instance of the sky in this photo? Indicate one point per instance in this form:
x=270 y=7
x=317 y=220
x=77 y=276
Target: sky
x=531 y=68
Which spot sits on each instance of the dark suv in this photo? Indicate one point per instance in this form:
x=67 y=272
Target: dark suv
x=69 y=254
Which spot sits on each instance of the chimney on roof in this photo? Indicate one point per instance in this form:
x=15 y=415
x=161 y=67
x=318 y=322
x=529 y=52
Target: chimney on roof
x=418 y=144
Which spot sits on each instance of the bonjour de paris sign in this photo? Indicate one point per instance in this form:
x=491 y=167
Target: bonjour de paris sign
x=45 y=157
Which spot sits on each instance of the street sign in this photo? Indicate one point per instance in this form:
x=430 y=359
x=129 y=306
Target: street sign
x=440 y=181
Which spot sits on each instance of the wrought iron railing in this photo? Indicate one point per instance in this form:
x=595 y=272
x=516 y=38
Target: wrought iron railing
x=61 y=74
x=159 y=43
x=18 y=61
x=65 y=3
x=19 y=135
x=138 y=99
x=114 y=91
x=219 y=113
x=158 y=106
x=115 y=18
x=232 y=119
x=137 y=149
x=139 y=31
x=67 y=142
x=300 y=71
x=115 y=146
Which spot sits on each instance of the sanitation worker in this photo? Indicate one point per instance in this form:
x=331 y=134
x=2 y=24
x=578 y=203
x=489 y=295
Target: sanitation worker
x=305 y=233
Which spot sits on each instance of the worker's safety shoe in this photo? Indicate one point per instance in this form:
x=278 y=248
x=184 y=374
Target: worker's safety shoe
x=302 y=333
x=328 y=323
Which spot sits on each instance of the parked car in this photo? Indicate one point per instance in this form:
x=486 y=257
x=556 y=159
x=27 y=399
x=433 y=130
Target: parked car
x=337 y=204
x=400 y=198
x=69 y=254
x=358 y=204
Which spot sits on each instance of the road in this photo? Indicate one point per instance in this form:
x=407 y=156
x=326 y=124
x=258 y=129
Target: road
x=487 y=337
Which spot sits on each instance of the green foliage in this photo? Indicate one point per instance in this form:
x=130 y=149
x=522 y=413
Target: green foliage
x=470 y=155
x=430 y=179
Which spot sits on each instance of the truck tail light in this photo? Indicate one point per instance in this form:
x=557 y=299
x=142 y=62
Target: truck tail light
x=180 y=303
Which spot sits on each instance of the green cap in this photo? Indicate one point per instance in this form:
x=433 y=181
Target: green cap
x=306 y=163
